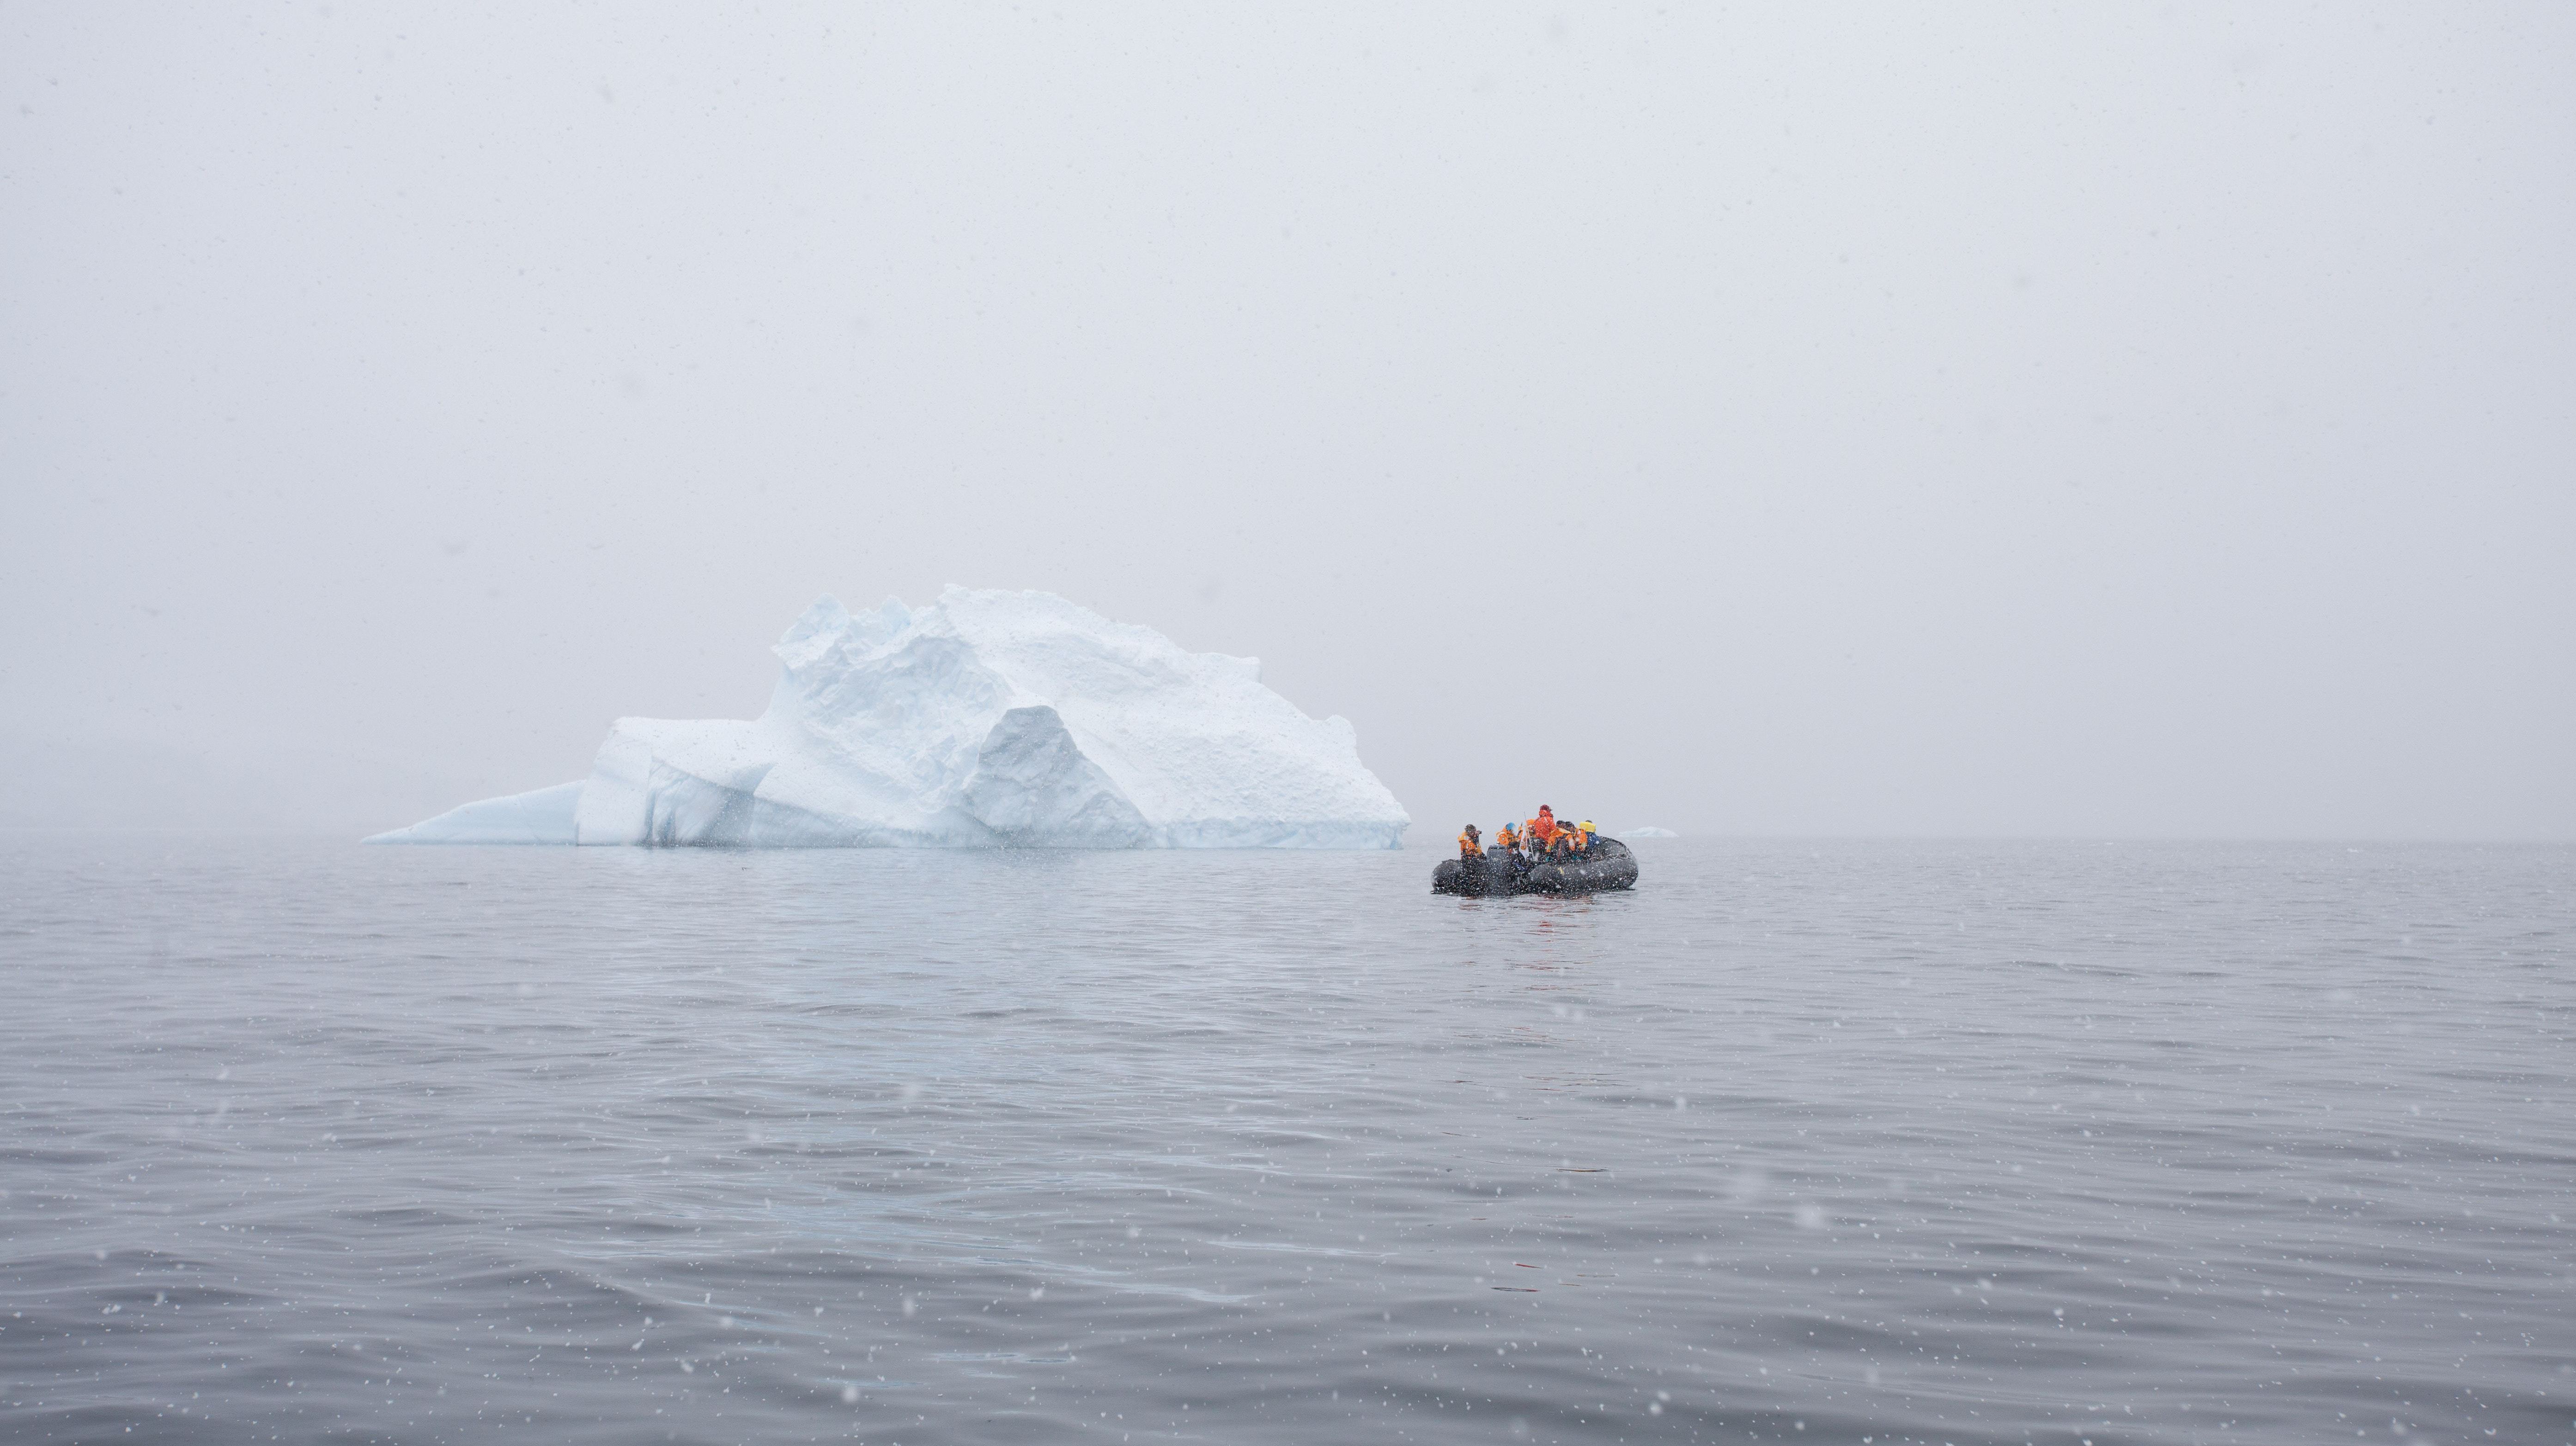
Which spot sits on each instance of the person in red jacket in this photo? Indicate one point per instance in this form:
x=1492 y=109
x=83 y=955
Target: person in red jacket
x=1546 y=828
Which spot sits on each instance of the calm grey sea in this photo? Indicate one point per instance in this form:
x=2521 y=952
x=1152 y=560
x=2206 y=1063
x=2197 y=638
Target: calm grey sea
x=1868 y=1142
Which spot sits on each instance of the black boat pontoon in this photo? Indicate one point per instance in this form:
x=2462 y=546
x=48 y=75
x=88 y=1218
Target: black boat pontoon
x=1494 y=874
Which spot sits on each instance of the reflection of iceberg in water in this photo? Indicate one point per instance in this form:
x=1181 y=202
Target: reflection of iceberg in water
x=984 y=720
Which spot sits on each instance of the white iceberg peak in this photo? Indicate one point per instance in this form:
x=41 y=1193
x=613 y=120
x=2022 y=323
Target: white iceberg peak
x=986 y=719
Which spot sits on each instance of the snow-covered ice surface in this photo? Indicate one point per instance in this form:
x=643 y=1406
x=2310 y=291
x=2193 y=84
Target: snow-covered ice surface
x=983 y=720
x=544 y=816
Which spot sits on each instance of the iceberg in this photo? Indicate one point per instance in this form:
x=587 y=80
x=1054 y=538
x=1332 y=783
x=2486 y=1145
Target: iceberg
x=984 y=720
x=544 y=816
x=1643 y=830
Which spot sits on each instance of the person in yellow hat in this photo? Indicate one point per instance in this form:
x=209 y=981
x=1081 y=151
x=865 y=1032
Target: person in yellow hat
x=1585 y=828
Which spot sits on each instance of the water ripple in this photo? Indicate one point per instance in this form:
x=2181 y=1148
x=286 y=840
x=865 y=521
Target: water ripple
x=1862 y=1142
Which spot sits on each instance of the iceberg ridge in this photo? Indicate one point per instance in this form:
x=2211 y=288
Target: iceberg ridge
x=986 y=719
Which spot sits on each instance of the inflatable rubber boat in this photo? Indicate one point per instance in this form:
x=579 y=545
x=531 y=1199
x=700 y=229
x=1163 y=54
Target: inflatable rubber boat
x=1493 y=875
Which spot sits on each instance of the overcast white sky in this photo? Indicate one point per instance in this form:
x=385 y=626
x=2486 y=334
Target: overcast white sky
x=2097 y=420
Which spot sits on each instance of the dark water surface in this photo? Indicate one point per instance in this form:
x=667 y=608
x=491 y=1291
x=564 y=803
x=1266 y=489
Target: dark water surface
x=1820 y=1143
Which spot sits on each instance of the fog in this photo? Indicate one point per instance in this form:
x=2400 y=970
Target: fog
x=1761 y=422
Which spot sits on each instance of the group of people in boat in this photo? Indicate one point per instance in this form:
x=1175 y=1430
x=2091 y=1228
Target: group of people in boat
x=1532 y=842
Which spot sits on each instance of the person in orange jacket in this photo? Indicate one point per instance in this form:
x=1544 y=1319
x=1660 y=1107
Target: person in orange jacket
x=1509 y=839
x=1545 y=826
x=1471 y=844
